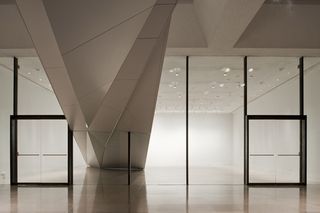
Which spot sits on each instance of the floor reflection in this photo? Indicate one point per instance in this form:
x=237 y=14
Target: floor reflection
x=92 y=192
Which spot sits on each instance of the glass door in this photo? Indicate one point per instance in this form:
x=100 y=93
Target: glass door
x=274 y=151
x=42 y=151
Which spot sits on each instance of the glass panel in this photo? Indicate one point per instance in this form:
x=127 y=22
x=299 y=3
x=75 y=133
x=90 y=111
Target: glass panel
x=287 y=169
x=36 y=95
x=6 y=98
x=166 y=153
x=42 y=148
x=29 y=151
x=262 y=169
x=54 y=150
x=273 y=85
x=216 y=91
x=312 y=110
x=274 y=151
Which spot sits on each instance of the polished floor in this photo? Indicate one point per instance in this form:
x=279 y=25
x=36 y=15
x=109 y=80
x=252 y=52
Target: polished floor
x=92 y=192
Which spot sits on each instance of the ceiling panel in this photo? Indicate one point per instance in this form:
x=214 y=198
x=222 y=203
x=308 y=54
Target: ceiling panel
x=77 y=21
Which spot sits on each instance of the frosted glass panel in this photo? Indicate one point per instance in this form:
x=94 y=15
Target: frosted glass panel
x=287 y=169
x=42 y=151
x=54 y=168
x=54 y=136
x=29 y=137
x=262 y=169
x=29 y=168
x=274 y=151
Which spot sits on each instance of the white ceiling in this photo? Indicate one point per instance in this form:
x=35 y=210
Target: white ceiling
x=263 y=29
x=213 y=89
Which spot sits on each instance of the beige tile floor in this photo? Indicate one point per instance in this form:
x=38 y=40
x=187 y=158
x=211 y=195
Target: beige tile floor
x=92 y=192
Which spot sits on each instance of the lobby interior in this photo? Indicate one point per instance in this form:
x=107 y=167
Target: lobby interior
x=159 y=106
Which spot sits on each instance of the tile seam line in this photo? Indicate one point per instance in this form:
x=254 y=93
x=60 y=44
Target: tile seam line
x=106 y=31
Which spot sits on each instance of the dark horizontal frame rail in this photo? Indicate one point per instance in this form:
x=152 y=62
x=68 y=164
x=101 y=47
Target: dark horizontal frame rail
x=38 y=117
x=276 y=117
x=272 y=184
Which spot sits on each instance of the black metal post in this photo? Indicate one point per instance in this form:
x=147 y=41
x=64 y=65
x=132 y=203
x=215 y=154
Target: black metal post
x=70 y=156
x=129 y=158
x=187 y=120
x=14 y=127
x=303 y=144
x=15 y=85
x=245 y=123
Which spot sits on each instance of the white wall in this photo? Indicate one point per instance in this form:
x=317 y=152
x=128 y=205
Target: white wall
x=285 y=100
x=33 y=99
x=210 y=140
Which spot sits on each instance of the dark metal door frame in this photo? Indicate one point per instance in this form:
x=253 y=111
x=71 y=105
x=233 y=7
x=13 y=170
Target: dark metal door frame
x=302 y=130
x=14 y=133
x=14 y=148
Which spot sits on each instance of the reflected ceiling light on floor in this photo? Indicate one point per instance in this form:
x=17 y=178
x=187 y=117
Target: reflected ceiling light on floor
x=29 y=73
x=251 y=70
x=206 y=92
x=40 y=79
x=221 y=85
x=171 y=70
x=226 y=69
x=277 y=79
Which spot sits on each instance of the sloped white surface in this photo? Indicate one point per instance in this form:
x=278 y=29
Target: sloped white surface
x=77 y=21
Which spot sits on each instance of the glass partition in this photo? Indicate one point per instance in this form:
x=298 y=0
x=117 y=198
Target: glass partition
x=312 y=110
x=273 y=85
x=215 y=93
x=6 y=103
x=34 y=87
x=166 y=158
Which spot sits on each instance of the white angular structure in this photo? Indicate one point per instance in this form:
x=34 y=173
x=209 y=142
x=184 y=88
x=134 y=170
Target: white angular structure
x=106 y=79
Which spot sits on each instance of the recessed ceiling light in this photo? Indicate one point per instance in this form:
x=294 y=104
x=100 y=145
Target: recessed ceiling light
x=29 y=73
x=221 y=85
x=171 y=70
x=227 y=69
x=277 y=79
x=251 y=70
x=213 y=86
x=225 y=74
x=242 y=85
x=177 y=74
x=40 y=79
x=206 y=92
